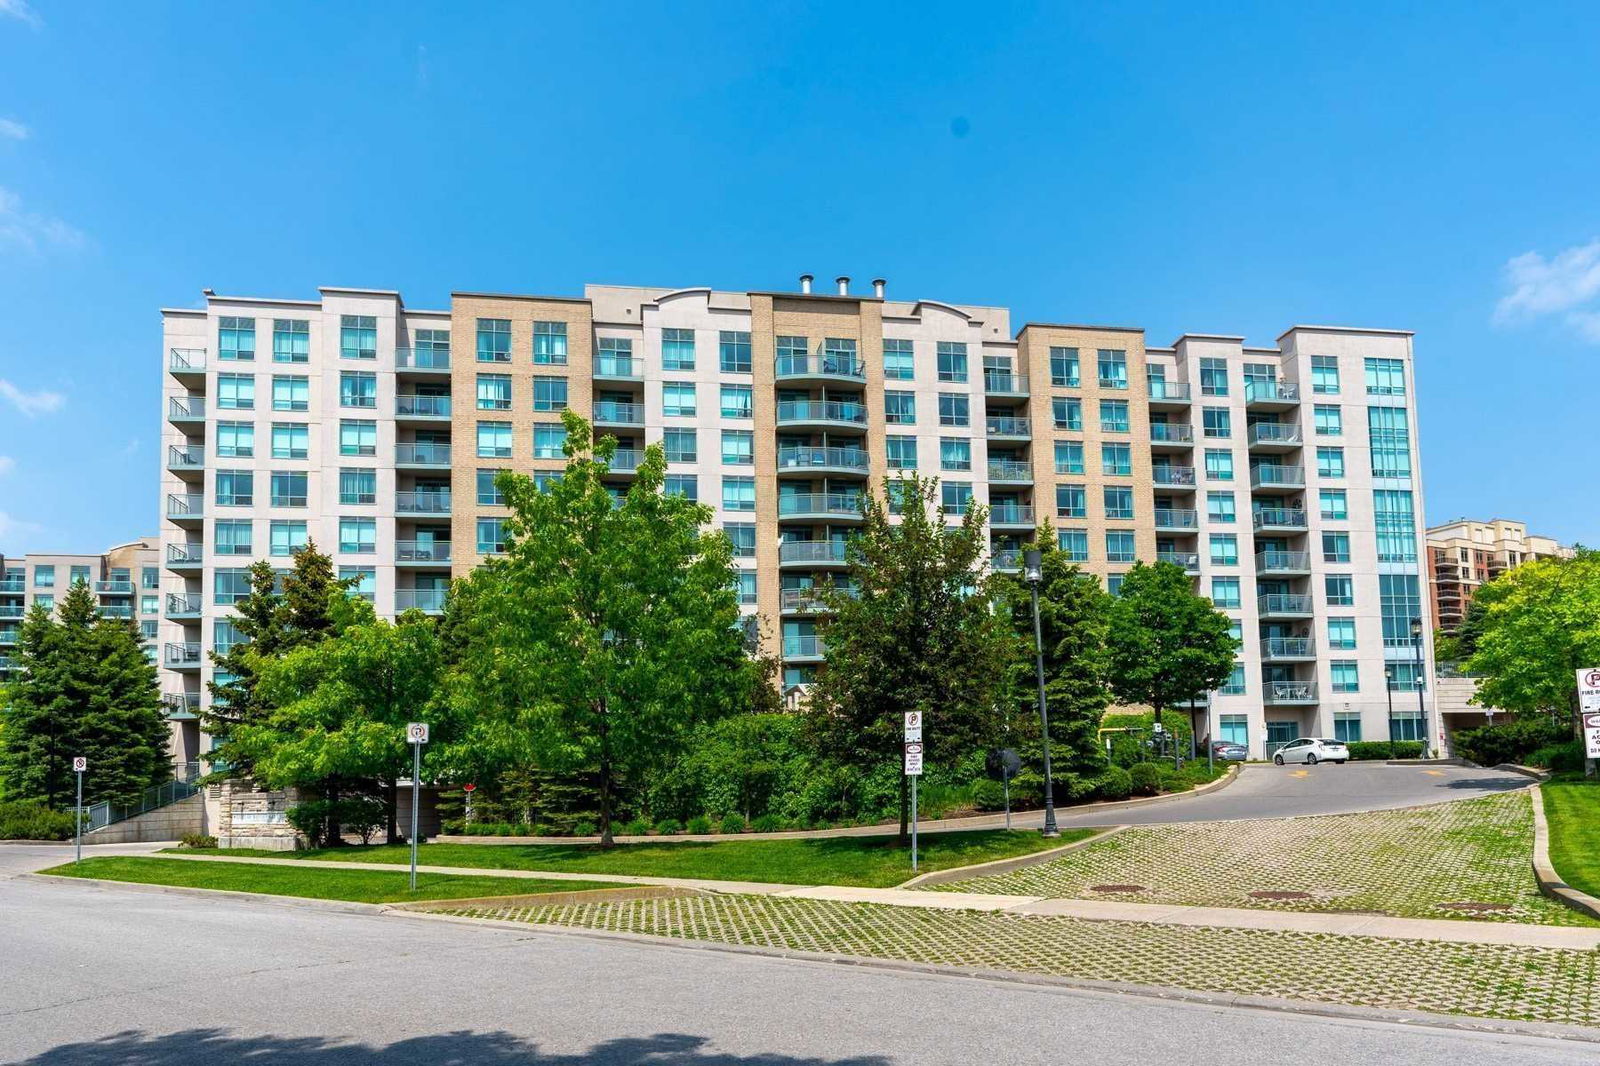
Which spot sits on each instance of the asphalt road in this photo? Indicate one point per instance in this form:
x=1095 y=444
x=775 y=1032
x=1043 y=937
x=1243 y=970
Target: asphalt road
x=114 y=976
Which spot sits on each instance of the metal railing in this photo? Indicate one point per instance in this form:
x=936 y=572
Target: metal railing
x=421 y=599
x=1010 y=470
x=619 y=366
x=424 y=453
x=822 y=411
x=187 y=654
x=1290 y=692
x=13 y=584
x=1269 y=475
x=1288 y=648
x=1190 y=561
x=830 y=503
x=811 y=551
x=422 y=406
x=186 y=407
x=1011 y=514
x=1452 y=669
x=626 y=460
x=615 y=413
x=422 y=551
x=1005 y=383
x=181 y=702
x=1279 y=560
x=192 y=457
x=1171 y=433
x=422 y=358
x=824 y=364
x=998 y=426
x=1257 y=391
x=1168 y=390
x=186 y=553
x=795 y=647
x=114 y=587
x=185 y=505
x=12 y=610
x=1273 y=433
x=425 y=501
x=1283 y=603
x=115 y=611
x=800 y=456
x=1006 y=559
x=1174 y=475
x=810 y=599
x=186 y=360
x=1279 y=517
x=1177 y=518
x=182 y=786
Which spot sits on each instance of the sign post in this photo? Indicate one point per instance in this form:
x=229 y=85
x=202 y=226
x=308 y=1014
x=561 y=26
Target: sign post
x=416 y=736
x=79 y=765
x=1589 y=716
x=913 y=770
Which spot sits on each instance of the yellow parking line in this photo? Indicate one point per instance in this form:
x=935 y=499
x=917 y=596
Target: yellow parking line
x=1301 y=773
x=1434 y=773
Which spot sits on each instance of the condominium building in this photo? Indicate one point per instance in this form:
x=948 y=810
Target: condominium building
x=1464 y=554
x=126 y=582
x=1284 y=479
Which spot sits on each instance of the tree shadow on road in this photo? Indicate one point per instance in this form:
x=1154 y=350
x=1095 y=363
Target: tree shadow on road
x=213 y=1047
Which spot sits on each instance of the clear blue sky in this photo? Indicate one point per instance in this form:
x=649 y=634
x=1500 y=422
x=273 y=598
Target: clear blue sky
x=1432 y=169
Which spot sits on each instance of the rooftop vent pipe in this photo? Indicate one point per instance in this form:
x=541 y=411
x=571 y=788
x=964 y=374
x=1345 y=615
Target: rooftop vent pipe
x=877 y=287
x=805 y=284
x=844 y=284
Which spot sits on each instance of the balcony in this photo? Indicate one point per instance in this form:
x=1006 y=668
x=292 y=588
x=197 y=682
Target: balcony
x=8 y=664
x=13 y=584
x=1002 y=428
x=187 y=362
x=626 y=461
x=185 y=557
x=1011 y=515
x=1283 y=605
x=807 y=601
x=186 y=410
x=612 y=413
x=187 y=461
x=797 y=648
x=811 y=553
x=1010 y=472
x=424 y=454
x=1006 y=559
x=1268 y=477
x=119 y=610
x=422 y=408
x=822 y=460
x=1171 y=436
x=422 y=360
x=181 y=705
x=181 y=656
x=12 y=610
x=821 y=368
x=1174 y=477
x=821 y=414
x=1271 y=395
x=114 y=587
x=429 y=601
x=1177 y=520
x=1168 y=395
x=1282 y=564
x=423 y=502
x=422 y=553
x=619 y=368
x=820 y=505
x=1289 y=692
x=186 y=508
x=1288 y=649
x=184 y=606
x=1188 y=561
x=1274 y=436
x=1279 y=520
x=1005 y=383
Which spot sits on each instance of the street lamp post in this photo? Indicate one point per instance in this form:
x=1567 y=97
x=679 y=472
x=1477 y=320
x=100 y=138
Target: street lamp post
x=1422 y=711
x=1033 y=572
x=1388 y=688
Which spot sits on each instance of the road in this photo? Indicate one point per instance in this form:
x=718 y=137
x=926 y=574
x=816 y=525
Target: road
x=106 y=976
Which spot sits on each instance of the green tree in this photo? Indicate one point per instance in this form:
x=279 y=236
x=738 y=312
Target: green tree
x=1541 y=624
x=914 y=634
x=608 y=630
x=85 y=688
x=1167 y=644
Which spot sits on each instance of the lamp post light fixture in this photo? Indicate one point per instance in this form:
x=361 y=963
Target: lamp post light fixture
x=1422 y=711
x=1033 y=573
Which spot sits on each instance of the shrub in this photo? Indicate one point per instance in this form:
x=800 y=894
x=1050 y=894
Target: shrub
x=1075 y=788
x=1510 y=741
x=634 y=827
x=1115 y=784
x=1027 y=790
x=1175 y=780
x=733 y=823
x=1563 y=758
x=363 y=816
x=1145 y=778
x=699 y=825
x=583 y=828
x=988 y=795
x=31 y=820
x=198 y=840
x=669 y=827
x=768 y=823
x=1367 y=750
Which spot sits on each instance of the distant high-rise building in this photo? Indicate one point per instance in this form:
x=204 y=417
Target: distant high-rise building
x=125 y=580
x=1465 y=554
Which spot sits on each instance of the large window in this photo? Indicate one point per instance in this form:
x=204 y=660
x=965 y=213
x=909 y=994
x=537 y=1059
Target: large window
x=738 y=494
x=738 y=447
x=677 y=349
x=1225 y=592
x=236 y=339
x=229 y=586
x=1075 y=543
x=494 y=340
x=1218 y=421
x=1389 y=434
x=901 y=452
x=291 y=393
x=362 y=581
x=358 y=536
x=952 y=361
x=954 y=409
x=899 y=364
x=681 y=445
x=1330 y=462
x=956 y=497
x=549 y=440
x=743 y=537
x=1116 y=459
x=1219 y=464
x=1069 y=457
x=616 y=358
x=1342 y=634
x=550 y=343
x=489 y=493
x=1234 y=728
x=290 y=488
x=1071 y=501
x=1064 y=372
x=236 y=440
x=291 y=340
x=358 y=337
x=494 y=392
x=236 y=392
x=1399 y=602
x=1119 y=546
x=955 y=453
x=358 y=388
x=491 y=536
x=1114 y=416
x=1213 y=377
x=1336 y=547
x=1324 y=375
x=899 y=408
x=1220 y=507
x=291 y=440
x=677 y=399
x=1118 y=502
x=1067 y=414
x=358 y=436
x=1329 y=420
x=358 y=486
x=287 y=536
x=232 y=537
x=549 y=394
x=1396 y=523
x=1113 y=368
x=1386 y=377
x=748 y=592
x=1340 y=590
x=1334 y=504
x=235 y=488
x=737 y=401
x=1224 y=549
x=733 y=350
x=1234 y=686
x=685 y=485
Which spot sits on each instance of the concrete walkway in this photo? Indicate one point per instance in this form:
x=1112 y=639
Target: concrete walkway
x=1362 y=925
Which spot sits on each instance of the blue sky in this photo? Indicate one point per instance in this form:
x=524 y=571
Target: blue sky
x=1431 y=168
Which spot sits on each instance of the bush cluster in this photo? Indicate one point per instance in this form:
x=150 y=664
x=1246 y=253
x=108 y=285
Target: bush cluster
x=362 y=815
x=198 y=840
x=1564 y=758
x=31 y=820
x=1369 y=750
x=1512 y=741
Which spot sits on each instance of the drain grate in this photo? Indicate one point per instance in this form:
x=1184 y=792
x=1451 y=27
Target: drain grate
x=1279 y=895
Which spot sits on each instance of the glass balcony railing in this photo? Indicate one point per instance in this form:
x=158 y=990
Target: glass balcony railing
x=1171 y=433
x=820 y=503
x=1189 y=561
x=823 y=364
x=181 y=654
x=803 y=647
x=1005 y=383
x=1174 y=476
x=1288 y=648
x=186 y=360
x=185 y=554
x=422 y=551
x=422 y=406
x=114 y=587
x=1257 y=391
x=421 y=599
x=1283 y=603
x=186 y=408
x=1283 y=561
x=822 y=411
x=1274 y=433
x=1177 y=518
x=1011 y=514
x=1006 y=559
x=811 y=551
x=1008 y=427
x=1290 y=692
x=192 y=457
x=425 y=453
x=185 y=505
x=1010 y=470
x=1177 y=391
x=184 y=603
x=1267 y=476
x=802 y=457
x=1279 y=518
x=619 y=414
x=619 y=366
x=424 y=501
x=422 y=358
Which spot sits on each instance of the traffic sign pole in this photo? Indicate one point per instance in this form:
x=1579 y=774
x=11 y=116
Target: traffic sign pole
x=913 y=825
x=911 y=766
x=416 y=736
x=79 y=765
x=1589 y=717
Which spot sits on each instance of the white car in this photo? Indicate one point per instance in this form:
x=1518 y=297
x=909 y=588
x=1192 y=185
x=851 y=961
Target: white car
x=1312 y=750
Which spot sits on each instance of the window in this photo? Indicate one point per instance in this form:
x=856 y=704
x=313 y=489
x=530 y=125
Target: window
x=1219 y=507
x=1224 y=549
x=494 y=440
x=491 y=536
x=1399 y=602
x=1069 y=457
x=1067 y=414
x=1406 y=679
x=1235 y=728
x=1064 y=368
x=1340 y=590
x=236 y=392
x=494 y=340
x=291 y=393
x=1386 y=377
x=1075 y=543
x=743 y=537
x=954 y=409
x=733 y=350
x=236 y=339
x=1336 y=547
x=1329 y=421
x=549 y=394
x=78 y=574
x=291 y=440
x=1213 y=377
x=685 y=485
x=1330 y=462
x=232 y=537
x=898 y=362
x=358 y=536
x=149 y=577
x=681 y=445
x=956 y=497
x=1342 y=634
x=1071 y=501
x=1114 y=416
x=361 y=581
x=1346 y=724
x=1118 y=502
x=1334 y=504
x=549 y=438
x=1324 y=375
x=230 y=586
x=677 y=399
x=488 y=492
x=1389 y=434
x=902 y=452
x=289 y=488
x=955 y=453
x=952 y=361
x=358 y=437
x=44 y=577
x=235 y=488
x=738 y=494
x=737 y=401
x=494 y=392
x=435 y=344
x=677 y=349
x=1116 y=459
x=1234 y=686
x=616 y=358
x=358 y=337
x=287 y=537
x=899 y=408
x=1219 y=464
x=1218 y=422
x=358 y=388
x=291 y=340
x=1396 y=523
x=358 y=486
x=236 y=440
x=1113 y=364
x=738 y=447
x=1225 y=592
x=747 y=586
x=1119 y=546
x=550 y=343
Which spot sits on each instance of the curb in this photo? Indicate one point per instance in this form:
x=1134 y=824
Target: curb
x=592 y=895
x=1525 y=771
x=1550 y=882
x=1004 y=866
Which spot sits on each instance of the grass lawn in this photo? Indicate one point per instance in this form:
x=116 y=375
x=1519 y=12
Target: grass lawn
x=871 y=862
x=360 y=886
x=1573 y=810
